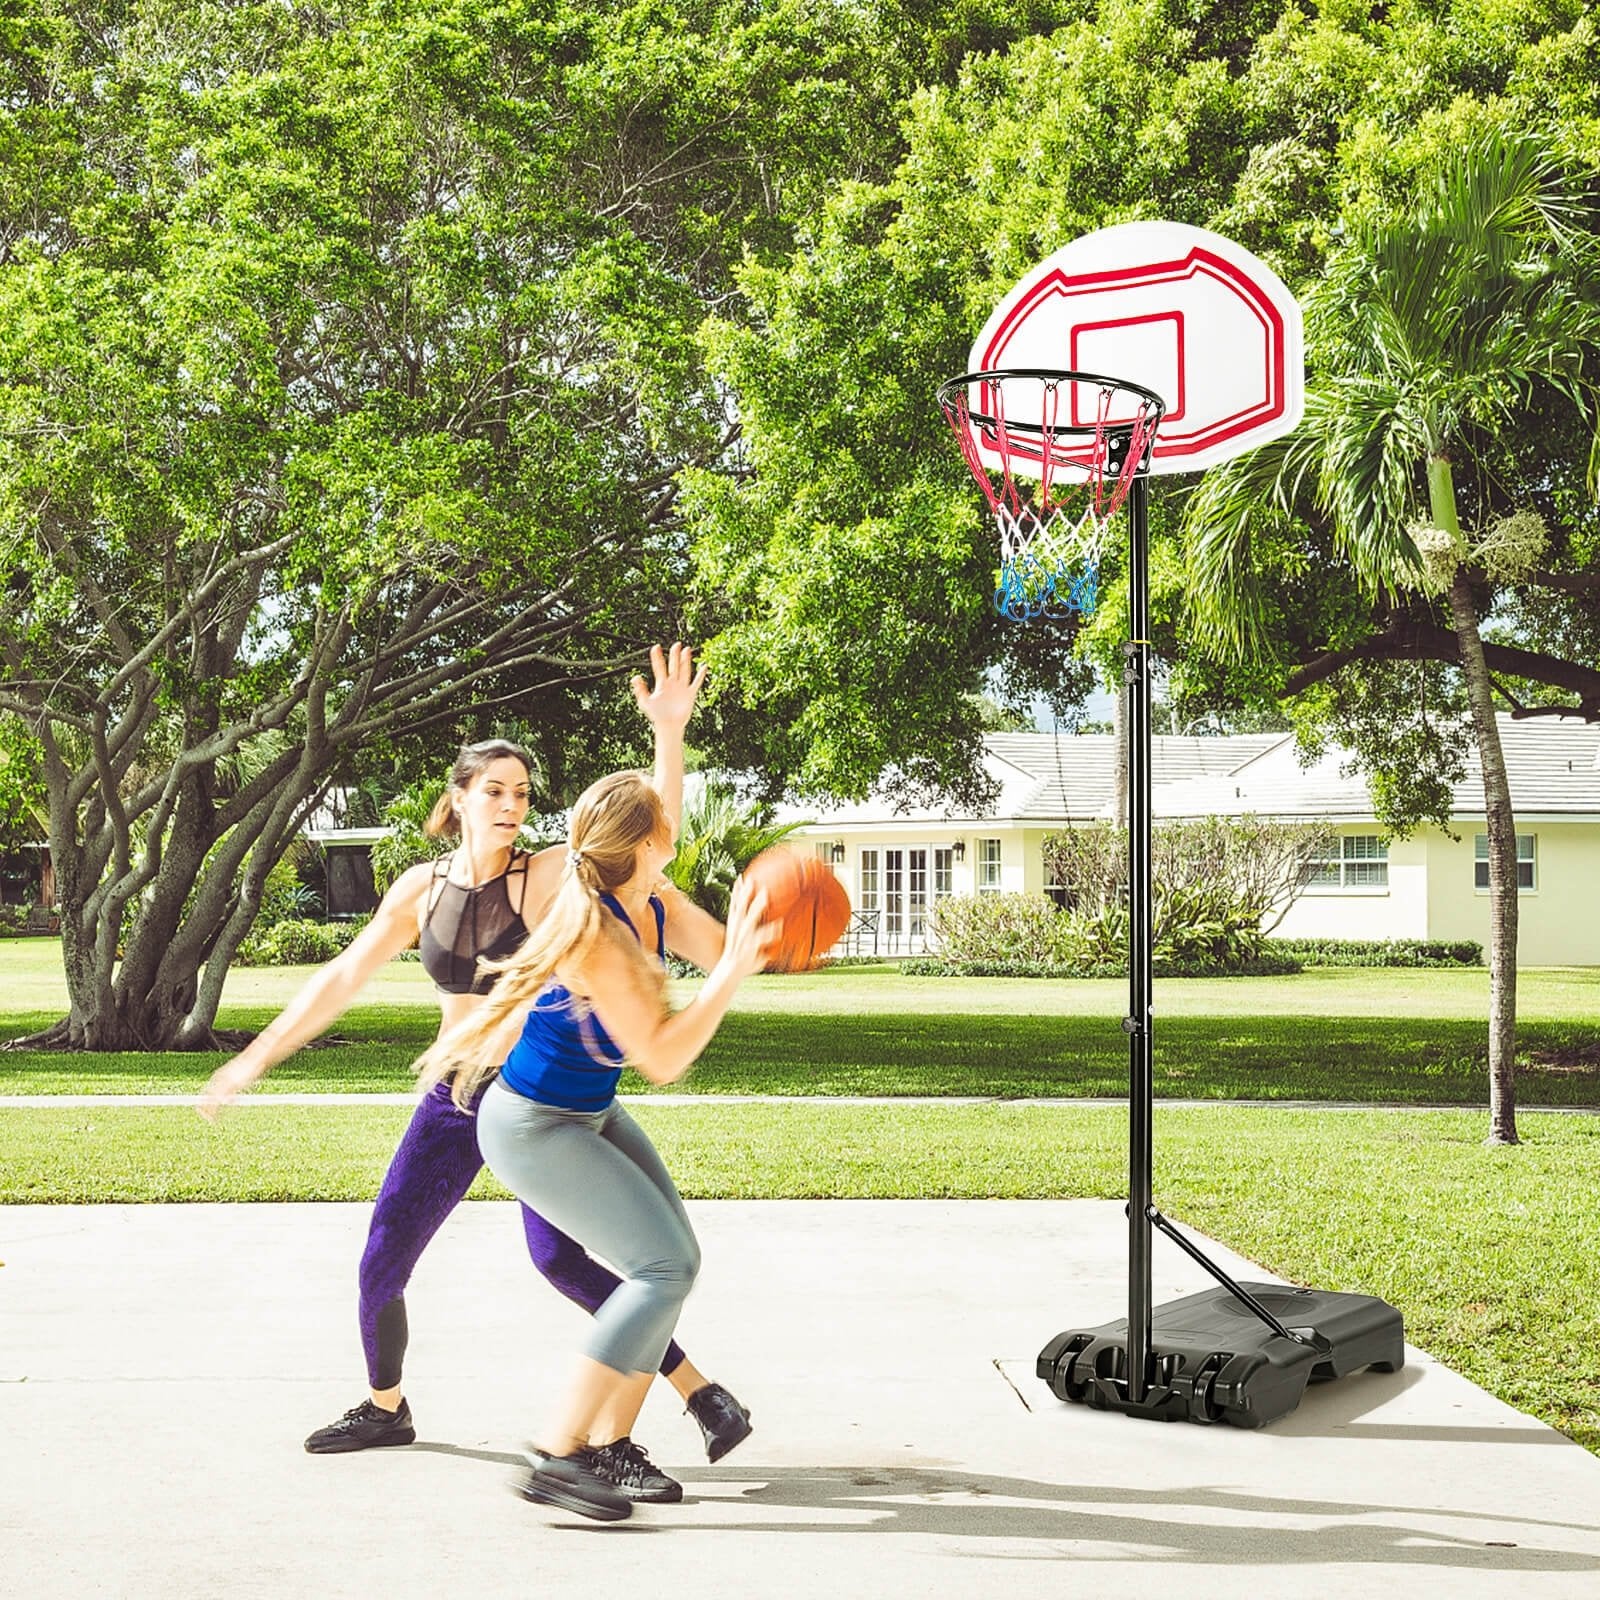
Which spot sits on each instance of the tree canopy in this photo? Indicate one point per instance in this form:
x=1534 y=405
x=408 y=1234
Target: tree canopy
x=349 y=360
x=851 y=555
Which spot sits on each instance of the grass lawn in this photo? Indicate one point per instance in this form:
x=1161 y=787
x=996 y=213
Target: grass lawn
x=1382 y=1035
x=1489 y=1254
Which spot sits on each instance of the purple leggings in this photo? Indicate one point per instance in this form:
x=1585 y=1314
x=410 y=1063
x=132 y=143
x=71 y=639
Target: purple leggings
x=429 y=1176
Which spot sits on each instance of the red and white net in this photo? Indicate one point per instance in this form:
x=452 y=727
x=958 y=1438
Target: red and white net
x=1053 y=479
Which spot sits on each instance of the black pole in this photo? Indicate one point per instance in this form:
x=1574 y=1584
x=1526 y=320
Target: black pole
x=1141 y=1085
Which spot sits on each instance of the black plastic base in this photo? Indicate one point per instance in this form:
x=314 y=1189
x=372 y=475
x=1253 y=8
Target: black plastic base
x=1213 y=1360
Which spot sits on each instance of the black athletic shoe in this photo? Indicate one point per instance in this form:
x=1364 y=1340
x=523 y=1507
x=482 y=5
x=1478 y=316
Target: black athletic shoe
x=570 y=1483
x=625 y=1466
x=363 y=1427
x=723 y=1421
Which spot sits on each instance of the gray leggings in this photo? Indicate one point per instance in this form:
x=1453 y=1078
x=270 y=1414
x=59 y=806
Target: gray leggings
x=595 y=1175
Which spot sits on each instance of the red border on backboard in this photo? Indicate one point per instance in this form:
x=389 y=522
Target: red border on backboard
x=1198 y=261
x=1175 y=409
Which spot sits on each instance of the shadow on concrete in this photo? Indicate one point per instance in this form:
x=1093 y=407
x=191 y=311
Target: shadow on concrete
x=950 y=1504
x=437 y=1448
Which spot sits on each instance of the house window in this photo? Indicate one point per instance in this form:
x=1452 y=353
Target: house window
x=988 y=864
x=1480 y=861
x=867 y=889
x=1357 y=861
x=943 y=875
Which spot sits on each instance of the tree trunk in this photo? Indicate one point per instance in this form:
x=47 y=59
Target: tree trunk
x=1500 y=821
x=147 y=934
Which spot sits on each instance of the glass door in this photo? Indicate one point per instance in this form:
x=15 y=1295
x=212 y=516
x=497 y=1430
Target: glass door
x=905 y=899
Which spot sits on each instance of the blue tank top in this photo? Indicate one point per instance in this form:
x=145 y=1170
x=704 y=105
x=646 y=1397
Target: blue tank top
x=564 y=1057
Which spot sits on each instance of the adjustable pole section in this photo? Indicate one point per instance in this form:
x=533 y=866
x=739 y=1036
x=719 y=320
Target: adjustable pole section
x=1141 y=939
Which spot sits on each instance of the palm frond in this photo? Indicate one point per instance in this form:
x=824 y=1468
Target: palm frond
x=1426 y=327
x=1504 y=197
x=1373 y=447
x=1234 y=501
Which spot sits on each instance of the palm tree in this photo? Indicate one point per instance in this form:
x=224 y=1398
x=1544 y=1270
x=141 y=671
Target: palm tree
x=720 y=836
x=1430 y=334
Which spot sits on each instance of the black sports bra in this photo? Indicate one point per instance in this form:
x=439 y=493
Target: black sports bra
x=463 y=926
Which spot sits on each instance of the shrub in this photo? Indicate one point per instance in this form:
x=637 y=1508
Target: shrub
x=1269 y=964
x=1382 y=952
x=284 y=896
x=720 y=835
x=1002 y=927
x=1026 y=935
x=296 y=943
x=407 y=842
x=1218 y=885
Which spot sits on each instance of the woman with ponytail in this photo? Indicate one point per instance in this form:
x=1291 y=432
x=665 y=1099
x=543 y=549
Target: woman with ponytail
x=471 y=907
x=585 y=994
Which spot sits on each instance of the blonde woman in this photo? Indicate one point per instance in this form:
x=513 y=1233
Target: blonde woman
x=475 y=904
x=584 y=995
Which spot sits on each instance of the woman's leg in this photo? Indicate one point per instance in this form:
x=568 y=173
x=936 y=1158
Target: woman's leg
x=432 y=1170
x=598 y=1180
x=724 y=1423
x=567 y=1266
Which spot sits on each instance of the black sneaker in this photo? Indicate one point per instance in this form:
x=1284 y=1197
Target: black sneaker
x=570 y=1483
x=363 y=1427
x=723 y=1421
x=625 y=1466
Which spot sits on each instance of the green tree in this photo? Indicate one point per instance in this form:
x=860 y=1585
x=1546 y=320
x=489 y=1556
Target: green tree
x=844 y=568
x=348 y=363
x=24 y=814
x=1430 y=334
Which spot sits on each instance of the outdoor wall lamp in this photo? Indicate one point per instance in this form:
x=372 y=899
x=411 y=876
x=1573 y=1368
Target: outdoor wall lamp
x=959 y=849
x=836 y=851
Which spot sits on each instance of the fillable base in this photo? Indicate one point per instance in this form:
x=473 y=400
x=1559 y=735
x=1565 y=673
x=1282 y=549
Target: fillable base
x=1213 y=1360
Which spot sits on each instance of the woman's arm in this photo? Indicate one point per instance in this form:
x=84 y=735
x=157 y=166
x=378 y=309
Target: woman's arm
x=667 y=706
x=328 y=994
x=663 y=1046
x=694 y=934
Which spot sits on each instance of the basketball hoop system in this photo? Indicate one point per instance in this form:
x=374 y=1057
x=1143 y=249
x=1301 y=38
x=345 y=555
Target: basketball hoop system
x=1212 y=341
x=1055 y=454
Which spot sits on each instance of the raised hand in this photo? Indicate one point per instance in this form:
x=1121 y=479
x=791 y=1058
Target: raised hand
x=669 y=702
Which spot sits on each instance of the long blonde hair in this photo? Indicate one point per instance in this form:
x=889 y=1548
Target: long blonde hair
x=610 y=821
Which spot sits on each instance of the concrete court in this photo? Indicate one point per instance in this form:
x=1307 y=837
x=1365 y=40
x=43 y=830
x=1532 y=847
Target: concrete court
x=159 y=1366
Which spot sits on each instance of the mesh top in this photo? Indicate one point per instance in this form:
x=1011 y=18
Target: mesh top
x=468 y=924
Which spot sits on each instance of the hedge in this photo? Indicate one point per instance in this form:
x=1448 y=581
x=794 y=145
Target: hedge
x=1268 y=965
x=1382 y=952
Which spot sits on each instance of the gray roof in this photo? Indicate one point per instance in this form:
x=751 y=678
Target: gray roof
x=1073 y=775
x=1053 y=778
x=1553 y=765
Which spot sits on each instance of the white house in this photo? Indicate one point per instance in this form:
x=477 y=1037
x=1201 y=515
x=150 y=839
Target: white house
x=896 y=864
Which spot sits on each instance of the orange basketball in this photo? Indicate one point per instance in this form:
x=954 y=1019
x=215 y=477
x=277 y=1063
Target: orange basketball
x=807 y=902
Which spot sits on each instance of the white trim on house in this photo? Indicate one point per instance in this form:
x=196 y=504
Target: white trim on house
x=1046 y=781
